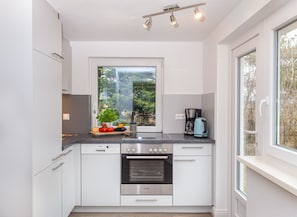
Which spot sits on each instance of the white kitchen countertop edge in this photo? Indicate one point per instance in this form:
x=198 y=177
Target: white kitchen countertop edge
x=277 y=171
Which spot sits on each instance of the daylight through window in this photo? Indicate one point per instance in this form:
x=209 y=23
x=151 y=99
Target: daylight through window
x=286 y=119
x=129 y=89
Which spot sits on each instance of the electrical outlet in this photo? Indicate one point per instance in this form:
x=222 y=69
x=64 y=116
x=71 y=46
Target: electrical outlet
x=66 y=116
x=179 y=116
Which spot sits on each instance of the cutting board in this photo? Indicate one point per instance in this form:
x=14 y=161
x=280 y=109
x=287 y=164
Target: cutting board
x=126 y=132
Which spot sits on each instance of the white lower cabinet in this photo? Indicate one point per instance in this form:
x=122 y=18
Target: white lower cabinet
x=192 y=174
x=68 y=183
x=47 y=191
x=53 y=188
x=100 y=174
x=146 y=200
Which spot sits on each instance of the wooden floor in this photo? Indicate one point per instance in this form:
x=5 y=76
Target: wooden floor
x=140 y=215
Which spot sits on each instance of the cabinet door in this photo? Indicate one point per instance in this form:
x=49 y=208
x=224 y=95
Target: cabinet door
x=47 y=128
x=67 y=68
x=192 y=182
x=47 y=190
x=47 y=31
x=101 y=179
x=68 y=182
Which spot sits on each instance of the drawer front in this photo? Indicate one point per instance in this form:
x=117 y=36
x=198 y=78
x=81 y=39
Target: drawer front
x=146 y=200
x=192 y=149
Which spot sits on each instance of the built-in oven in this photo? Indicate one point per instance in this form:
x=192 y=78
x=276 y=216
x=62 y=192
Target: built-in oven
x=146 y=169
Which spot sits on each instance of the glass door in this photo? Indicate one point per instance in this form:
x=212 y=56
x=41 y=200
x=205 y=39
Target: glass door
x=244 y=124
x=247 y=113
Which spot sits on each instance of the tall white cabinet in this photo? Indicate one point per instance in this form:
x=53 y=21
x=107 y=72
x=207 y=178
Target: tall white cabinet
x=50 y=165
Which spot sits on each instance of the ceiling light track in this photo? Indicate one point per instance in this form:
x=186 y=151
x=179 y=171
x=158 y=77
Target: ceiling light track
x=173 y=9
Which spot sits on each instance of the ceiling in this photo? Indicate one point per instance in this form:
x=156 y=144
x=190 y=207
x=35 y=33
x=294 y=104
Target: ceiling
x=121 y=20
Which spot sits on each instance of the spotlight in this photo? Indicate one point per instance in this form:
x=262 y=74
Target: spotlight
x=197 y=13
x=170 y=9
x=148 y=24
x=173 y=21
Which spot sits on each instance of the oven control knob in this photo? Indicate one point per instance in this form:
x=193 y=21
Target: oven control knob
x=150 y=150
x=133 y=150
x=160 y=149
x=155 y=150
x=165 y=149
x=128 y=150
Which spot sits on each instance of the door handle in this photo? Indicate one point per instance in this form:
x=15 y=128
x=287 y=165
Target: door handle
x=264 y=101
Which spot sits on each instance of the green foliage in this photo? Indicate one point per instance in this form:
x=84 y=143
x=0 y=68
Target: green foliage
x=108 y=115
x=128 y=91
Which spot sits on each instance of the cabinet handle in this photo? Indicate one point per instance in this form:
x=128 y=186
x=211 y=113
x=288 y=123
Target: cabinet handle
x=192 y=147
x=67 y=153
x=57 y=167
x=146 y=200
x=58 y=55
x=185 y=160
x=56 y=158
x=100 y=150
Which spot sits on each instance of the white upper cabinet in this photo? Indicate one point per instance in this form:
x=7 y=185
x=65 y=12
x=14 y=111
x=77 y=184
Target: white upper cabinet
x=67 y=68
x=47 y=30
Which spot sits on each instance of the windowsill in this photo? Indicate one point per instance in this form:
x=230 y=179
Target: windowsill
x=277 y=171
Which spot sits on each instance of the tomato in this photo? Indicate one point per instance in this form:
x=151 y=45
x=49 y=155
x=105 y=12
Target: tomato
x=110 y=129
x=103 y=129
x=104 y=125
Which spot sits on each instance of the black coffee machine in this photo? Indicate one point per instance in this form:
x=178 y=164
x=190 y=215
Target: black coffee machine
x=191 y=114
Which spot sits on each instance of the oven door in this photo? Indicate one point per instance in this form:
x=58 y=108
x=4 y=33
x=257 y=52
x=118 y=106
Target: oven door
x=146 y=169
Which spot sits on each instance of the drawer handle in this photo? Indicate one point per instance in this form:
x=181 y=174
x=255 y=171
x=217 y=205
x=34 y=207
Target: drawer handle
x=57 y=167
x=67 y=153
x=146 y=200
x=56 y=158
x=100 y=150
x=58 y=55
x=185 y=160
x=192 y=147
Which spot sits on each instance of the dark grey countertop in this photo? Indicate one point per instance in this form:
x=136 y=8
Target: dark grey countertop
x=153 y=138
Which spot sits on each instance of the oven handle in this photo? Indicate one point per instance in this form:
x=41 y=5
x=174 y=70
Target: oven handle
x=146 y=157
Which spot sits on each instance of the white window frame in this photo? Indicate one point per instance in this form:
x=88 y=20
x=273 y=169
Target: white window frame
x=284 y=16
x=96 y=62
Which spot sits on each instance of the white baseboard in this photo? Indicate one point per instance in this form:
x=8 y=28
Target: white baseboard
x=220 y=213
x=169 y=209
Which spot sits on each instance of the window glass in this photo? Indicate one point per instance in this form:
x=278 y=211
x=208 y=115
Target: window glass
x=247 y=114
x=128 y=89
x=286 y=112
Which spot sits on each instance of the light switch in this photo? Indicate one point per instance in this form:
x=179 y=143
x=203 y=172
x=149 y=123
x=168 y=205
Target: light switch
x=66 y=116
x=179 y=116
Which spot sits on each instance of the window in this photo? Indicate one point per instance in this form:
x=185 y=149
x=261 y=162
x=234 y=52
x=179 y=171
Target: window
x=128 y=89
x=129 y=85
x=286 y=97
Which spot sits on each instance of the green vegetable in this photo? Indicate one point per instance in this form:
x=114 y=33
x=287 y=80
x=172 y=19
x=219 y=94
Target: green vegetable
x=108 y=115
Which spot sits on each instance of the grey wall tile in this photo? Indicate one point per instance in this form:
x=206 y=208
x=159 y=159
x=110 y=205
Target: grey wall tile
x=176 y=104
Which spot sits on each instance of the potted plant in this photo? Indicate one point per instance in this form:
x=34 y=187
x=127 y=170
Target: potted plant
x=108 y=115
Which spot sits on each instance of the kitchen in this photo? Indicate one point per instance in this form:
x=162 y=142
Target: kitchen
x=209 y=62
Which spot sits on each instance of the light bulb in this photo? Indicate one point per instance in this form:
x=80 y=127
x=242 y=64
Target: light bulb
x=148 y=24
x=197 y=13
x=173 y=21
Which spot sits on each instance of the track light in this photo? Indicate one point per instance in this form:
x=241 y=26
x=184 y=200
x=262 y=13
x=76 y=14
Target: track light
x=148 y=24
x=197 y=13
x=173 y=21
x=173 y=8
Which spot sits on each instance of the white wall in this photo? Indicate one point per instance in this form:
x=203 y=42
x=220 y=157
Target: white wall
x=183 y=65
x=216 y=78
x=16 y=95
